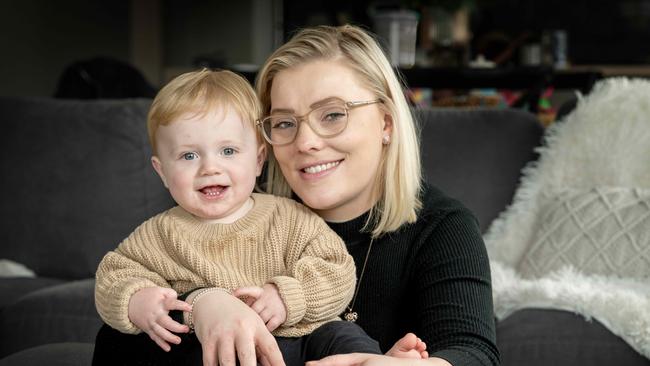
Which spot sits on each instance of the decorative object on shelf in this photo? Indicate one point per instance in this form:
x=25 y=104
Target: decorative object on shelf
x=397 y=30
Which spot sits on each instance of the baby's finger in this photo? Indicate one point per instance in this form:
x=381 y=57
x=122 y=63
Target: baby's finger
x=250 y=291
x=273 y=323
x=166 y=335
x=258 y=306
x=160 y=342
x=169 y=292
x=174 y=326
x=266 y=314
x=174 y=304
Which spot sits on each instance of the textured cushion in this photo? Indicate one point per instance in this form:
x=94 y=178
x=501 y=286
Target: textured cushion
x=598 y=231
x=76 y=180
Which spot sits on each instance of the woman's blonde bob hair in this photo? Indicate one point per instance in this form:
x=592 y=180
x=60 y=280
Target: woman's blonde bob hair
x=201 y=92
x=398 y=181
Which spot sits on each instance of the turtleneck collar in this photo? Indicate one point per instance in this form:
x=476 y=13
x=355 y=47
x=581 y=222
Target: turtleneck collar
x=350 y=231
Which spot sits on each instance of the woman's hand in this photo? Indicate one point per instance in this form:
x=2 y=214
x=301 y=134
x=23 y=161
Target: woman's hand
x=266 y=302
x=149 y=310
x=229 y=330
x=367 y=359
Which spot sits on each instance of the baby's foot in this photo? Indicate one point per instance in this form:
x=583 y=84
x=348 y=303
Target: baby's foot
x=409 y=346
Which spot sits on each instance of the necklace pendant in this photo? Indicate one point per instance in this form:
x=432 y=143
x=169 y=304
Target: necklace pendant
x=351 y=316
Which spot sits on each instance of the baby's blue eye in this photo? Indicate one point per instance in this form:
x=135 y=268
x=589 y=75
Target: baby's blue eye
x=189 y=156
x=228 y=151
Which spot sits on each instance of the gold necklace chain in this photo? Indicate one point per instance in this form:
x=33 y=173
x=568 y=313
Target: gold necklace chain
x=352 y=315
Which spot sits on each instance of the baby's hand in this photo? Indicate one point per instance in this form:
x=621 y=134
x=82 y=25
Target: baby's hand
x=266 y=302
x=149 y=310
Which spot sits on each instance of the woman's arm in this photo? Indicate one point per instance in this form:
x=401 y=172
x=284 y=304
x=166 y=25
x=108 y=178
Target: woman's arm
x=366 y=359
x=454 y=293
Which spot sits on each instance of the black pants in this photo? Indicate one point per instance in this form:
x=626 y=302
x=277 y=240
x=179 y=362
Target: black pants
x=337 y=337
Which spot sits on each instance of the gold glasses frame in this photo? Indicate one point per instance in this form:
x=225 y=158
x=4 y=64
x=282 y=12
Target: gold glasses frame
x=347 y=106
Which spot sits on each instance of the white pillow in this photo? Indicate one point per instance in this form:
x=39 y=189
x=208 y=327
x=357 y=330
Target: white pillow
x=603 y=231
x=9 y=268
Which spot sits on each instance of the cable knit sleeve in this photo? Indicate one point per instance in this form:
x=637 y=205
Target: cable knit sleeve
x=123 y=272
x=321 y=274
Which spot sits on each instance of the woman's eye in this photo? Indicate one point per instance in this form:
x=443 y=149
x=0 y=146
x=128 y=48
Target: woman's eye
x=284 y=124
x=189 y=156
x=333 y=116
x=228 y=151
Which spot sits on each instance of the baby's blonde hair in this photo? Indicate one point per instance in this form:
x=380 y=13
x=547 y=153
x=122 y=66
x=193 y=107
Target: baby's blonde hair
x=200 y=92
x=398 y=183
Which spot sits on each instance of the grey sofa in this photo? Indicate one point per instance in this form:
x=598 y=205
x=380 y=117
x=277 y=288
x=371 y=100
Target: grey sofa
x=77 y=179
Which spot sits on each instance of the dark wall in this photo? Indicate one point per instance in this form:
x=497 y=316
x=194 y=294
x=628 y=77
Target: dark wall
x=40 y=38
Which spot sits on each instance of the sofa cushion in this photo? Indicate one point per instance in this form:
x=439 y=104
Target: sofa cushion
x=12 y=289
x=61 y=313
x=76 y=180
x=55 y=354
x=536 y=337
x=476 y=155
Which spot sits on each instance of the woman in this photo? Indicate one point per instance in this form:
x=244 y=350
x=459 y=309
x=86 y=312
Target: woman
x=344 y=142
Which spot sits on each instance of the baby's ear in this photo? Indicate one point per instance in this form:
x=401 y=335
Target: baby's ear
x=261 y=158
x=157 y=166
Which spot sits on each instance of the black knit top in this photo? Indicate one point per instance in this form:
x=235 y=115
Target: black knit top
x=431 y=278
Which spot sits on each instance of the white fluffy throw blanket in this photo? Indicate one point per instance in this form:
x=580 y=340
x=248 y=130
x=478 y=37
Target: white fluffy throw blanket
x=604 y=142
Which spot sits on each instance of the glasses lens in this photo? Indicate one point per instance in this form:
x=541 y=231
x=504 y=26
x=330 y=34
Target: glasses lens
x=280 y=129
x=329 y=119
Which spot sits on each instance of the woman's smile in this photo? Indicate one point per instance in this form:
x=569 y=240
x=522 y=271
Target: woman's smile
x=320 y=168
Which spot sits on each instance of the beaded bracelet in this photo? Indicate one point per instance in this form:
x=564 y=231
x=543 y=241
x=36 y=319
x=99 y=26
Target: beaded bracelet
x=190 y=318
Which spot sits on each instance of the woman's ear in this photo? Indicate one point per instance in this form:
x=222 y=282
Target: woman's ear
x=387 y=130
x=261 y=158
x=157 y=166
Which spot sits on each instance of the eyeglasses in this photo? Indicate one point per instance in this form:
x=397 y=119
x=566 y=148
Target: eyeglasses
x=326 y=120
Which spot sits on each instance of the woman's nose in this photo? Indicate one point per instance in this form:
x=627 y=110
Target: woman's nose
x=307 y=139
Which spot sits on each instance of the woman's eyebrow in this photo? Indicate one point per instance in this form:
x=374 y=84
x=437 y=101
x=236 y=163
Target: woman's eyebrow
x=311 y=106
x=324 y=101
x=281 y=111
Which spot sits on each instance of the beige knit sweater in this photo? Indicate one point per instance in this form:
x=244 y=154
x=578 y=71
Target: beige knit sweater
x=279 y=241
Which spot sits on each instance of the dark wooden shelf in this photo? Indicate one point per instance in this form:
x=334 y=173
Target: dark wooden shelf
x=526 y=78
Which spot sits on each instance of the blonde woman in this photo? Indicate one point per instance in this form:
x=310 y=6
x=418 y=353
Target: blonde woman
x=343 y=141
